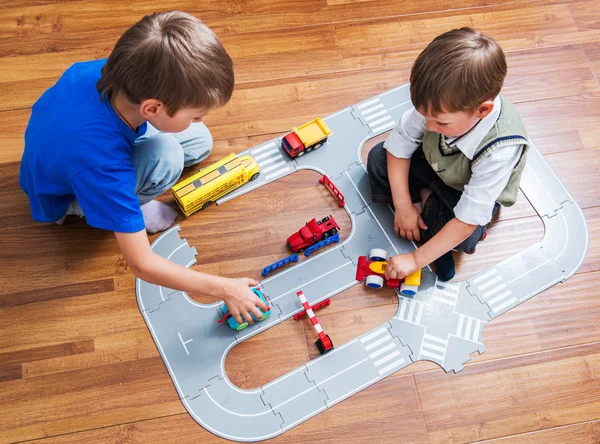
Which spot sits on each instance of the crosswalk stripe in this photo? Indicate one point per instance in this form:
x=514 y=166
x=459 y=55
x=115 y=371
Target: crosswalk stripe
x=500 y=297
x=504 y=305
x=444 y=301
x=411 y=312
x=490 y=283
x=268 y=161
x=376 y=333
x=392 y=365
x=419 y=314
x=370 y=102
x=267 y=154
x=274 y=167
x=403 y=305
x=387 y=125
x=378 y=121
x=476 y=330
x=432 y=355
x=382 y=350
x=372 y=116
x=435 y=339
x=447 y=294
x=432 y=346
x=387 y=358
x=262 y=148
x=461 y=321
x=485 y=276
x=373 y=108
x=380 y=341
x=469 y=325
x=494 y=290
x=277 y=173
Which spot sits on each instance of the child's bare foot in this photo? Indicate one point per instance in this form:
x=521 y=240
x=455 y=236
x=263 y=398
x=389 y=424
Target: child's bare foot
x=158 y=216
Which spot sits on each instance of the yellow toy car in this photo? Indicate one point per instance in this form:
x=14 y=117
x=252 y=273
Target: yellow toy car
x=213 y=182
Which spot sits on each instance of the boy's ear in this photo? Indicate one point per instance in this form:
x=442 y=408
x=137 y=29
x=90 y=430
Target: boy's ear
x=151 y=107
x=484 y=109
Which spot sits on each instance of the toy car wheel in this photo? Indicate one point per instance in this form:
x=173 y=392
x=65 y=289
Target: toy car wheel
x=301 y=153
x=206 y=204
x=254 y=176
x=374 y=281
x=317 y=146
x=325 y=235
x=242 y=326
x=408 y=290
x=377 y=254
x=333 y=232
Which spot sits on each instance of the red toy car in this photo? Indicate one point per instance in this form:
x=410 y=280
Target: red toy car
x=313 y=232
x=372 y=271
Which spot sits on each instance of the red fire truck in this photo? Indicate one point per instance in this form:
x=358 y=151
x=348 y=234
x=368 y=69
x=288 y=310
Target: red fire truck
x=313 y=232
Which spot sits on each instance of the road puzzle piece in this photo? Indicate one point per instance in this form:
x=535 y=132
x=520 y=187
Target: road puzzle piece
x=442 y=323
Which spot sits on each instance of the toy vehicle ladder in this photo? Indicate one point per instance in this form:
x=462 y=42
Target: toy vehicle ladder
x=336 y=192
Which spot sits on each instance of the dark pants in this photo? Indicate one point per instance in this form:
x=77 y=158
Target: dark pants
x=438 y=210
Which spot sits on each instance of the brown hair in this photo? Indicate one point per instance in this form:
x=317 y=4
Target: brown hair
x=172 y=57
x=458 y=71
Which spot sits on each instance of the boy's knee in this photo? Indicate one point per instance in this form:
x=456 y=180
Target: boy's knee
x=377 y=160
x=159 y=163
x=197 y=145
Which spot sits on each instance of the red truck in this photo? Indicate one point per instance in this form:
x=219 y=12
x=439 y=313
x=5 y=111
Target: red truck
x=314 y=231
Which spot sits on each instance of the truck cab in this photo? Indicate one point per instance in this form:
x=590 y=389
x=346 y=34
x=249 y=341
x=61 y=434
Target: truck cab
x=305 y=138
x=313 y=232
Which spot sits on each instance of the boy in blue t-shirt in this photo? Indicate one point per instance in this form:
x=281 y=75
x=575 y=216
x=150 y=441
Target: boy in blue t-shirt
x=113 y=134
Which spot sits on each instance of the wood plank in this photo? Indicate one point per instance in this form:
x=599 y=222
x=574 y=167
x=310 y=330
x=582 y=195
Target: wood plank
x=58 y=292
x=89 y=398
x=11 y=360
x=50 y=28
x=592 y=51
x=584 y=433
x=579 y=172
x=514 y=395
x=68 y=320
x=564 y=123
x=592 y=260
x=277 y=15
x=254 y=62
x=109 y=349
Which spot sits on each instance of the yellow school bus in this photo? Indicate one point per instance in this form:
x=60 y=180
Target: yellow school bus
x=213 y=182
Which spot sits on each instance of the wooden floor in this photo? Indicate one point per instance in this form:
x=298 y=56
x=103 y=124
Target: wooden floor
x=77 y=363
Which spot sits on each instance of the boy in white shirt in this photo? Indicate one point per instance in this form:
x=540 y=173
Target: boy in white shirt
x=457 y=155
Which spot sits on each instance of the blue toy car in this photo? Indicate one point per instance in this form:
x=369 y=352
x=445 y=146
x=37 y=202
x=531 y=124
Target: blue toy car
x=239 y=327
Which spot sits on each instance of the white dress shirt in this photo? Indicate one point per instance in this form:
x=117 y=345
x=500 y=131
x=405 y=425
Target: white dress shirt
x=489 y=177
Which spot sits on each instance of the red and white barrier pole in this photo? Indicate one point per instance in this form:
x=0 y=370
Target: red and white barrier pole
x=324 y=342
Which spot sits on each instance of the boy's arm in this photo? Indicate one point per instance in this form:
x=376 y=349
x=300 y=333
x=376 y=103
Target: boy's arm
x=400 y=145
x=398 y=176
x=151 y=267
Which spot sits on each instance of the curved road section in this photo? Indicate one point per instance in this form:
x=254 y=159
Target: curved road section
x=443 y=323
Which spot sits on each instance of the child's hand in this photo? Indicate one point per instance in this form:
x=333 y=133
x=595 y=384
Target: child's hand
x=400 y=266
x=407 y=221
x=242 y=301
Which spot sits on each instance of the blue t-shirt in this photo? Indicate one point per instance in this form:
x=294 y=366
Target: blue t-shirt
x=76 y=146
